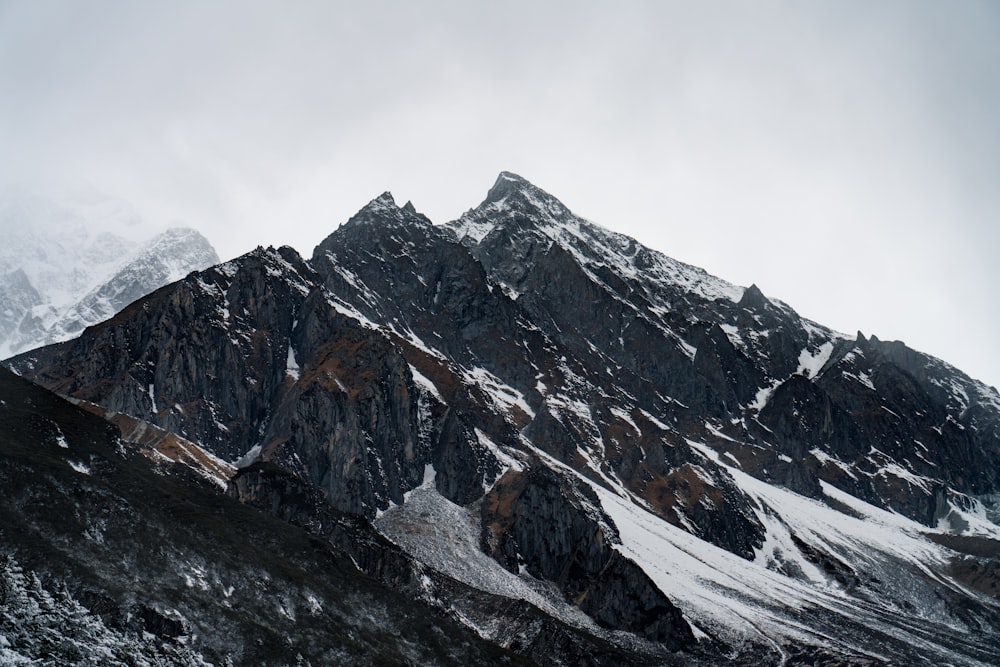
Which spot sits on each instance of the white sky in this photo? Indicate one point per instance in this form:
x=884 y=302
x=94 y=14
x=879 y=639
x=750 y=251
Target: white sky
x=842 y=155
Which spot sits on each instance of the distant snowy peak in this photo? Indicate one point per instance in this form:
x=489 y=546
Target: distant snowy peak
x=168 y=257
x=34 y=309
x=69 y=239
x=17 y=296
x=173 y=254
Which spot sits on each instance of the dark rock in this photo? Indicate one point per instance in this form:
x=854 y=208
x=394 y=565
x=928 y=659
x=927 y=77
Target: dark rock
x=552 y=528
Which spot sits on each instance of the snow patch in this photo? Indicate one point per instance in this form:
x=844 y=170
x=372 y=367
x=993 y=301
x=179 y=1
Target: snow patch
x=825 y=458
x=862 y=378
x=810 y=363
x=291 y=365
x=251 y=457
x=897 y=470
x=504 y=396
x=627 y=418
x=60 y=438
x=653 y=420
x=425 y=383
x=506 y=460
x=345 y=308
x=764 y=395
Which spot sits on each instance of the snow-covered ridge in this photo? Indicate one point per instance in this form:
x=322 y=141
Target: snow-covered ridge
x=783 y=598
x=513 y=198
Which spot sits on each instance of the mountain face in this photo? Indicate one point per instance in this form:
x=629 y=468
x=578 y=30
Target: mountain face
x=72 y=262
x=553 y=422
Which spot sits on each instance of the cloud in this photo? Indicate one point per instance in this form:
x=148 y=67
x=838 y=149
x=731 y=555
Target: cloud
x=842 y=156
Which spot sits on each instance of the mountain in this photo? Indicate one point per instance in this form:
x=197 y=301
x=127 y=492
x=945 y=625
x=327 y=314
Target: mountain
x=73 y=261
x=552 y=421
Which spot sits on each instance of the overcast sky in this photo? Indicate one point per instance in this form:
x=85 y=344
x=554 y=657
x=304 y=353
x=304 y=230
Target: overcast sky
x=843 y=155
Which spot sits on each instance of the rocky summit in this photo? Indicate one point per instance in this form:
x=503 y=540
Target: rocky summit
x=515 y=438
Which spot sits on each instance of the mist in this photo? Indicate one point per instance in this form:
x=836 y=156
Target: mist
x=843 y=156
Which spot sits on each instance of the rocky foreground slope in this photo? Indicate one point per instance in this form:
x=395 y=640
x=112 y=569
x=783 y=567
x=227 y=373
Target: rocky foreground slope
x=555 y=423
x=116 y=557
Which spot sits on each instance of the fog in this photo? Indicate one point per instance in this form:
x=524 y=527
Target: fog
x=843 y=156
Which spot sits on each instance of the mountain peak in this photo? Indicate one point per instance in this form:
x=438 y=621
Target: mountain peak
x=549 y=373
x=384 y=209
x=507 y=183
x=383 y=201
x=512 y=198
x=514 y=194
x=381 y=213
x=511 y=187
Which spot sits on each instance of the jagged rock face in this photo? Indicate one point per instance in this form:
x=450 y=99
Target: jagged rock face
x=541 y=523
x=890 y=425
x=723 y=352
x=440 y=292
x=274 y=490
x=213 y=358
x=542 y=371
x=182 y=360
x=464 y=465
x=570 y=304
x=438 y=285
x=350 y=421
